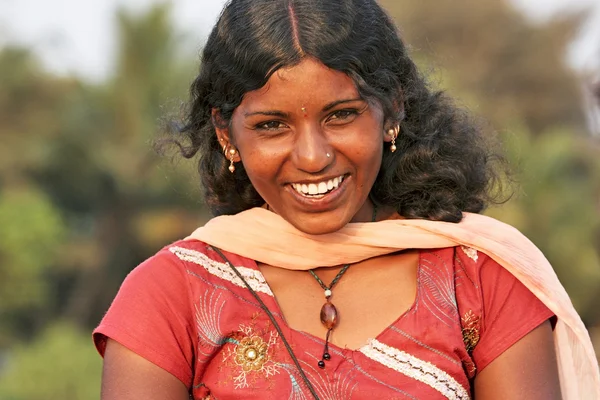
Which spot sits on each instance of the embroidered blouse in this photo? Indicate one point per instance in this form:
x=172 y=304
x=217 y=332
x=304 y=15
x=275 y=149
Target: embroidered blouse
x=187 y=312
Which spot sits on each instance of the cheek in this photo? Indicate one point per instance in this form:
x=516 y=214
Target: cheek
x=261 y=164
x=256 y=158
x=371 y=159
x=367 y=150
x=255 y=162
x=368 y=163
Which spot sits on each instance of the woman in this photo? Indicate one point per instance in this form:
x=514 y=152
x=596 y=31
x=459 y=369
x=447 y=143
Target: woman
x=338 y=267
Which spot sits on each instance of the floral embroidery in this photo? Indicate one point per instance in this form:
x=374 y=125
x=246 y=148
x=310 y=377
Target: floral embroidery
x=470 y=330
x=470 y=252
x=223 y=271
x=208 y=322
x=415 y=368
x=252 y=354
x=439 y=294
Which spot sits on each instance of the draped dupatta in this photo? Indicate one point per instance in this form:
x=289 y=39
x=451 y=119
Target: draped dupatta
x=266 y=237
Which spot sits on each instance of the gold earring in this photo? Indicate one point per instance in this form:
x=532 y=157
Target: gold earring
x=393 y=132
x=231 y=155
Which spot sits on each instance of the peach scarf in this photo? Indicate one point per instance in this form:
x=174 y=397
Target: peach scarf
x=266 y=237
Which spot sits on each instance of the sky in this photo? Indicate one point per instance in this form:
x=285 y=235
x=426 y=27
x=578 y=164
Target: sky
x=78 y=36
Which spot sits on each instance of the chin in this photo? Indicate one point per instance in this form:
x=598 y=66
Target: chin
x=318 y=225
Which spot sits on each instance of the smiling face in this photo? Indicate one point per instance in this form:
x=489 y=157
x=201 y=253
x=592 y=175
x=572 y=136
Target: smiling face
x=310 y=145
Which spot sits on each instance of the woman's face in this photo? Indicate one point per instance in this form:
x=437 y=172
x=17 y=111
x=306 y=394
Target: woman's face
x=311 y=146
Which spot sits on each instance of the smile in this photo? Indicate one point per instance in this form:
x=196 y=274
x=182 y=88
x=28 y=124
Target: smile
x=318 y=189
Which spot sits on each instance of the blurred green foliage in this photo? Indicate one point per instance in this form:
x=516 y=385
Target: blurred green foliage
x=31 y=234
x=557 y=208
x=58 y=364
x=84 y=199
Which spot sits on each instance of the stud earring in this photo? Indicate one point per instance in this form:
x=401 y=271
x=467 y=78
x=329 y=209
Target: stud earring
x=231 y=155
x=393 y=132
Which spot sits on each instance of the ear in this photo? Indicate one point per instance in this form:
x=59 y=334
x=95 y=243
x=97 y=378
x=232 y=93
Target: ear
x=393 y=122
x=224 y=135
x=221 y=127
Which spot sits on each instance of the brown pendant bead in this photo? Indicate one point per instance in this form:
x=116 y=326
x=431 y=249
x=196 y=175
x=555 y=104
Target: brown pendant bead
x=329 y=317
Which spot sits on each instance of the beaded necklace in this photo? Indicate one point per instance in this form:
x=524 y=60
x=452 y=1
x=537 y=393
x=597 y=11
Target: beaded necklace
x=329 y=314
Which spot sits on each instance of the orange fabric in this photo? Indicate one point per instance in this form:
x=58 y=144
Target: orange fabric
x=266 y=237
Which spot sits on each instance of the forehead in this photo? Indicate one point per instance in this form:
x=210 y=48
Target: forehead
x=308 y=83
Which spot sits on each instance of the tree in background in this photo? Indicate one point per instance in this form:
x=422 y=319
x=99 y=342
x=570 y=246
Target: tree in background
x=32 y=228
x=58 y=364
x=505 y=67
x=83 y=200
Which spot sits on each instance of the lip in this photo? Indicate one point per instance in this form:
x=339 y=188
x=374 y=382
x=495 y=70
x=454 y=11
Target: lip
x=319 y=204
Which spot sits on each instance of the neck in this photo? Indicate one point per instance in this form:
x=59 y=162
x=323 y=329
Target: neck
x=367 y=213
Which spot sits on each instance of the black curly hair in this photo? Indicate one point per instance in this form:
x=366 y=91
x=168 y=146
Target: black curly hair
x=443 y=165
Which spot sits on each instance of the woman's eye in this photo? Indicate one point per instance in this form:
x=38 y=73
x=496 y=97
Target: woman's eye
x=270 y=125
x=342 y=116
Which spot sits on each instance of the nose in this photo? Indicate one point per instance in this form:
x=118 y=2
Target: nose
x=312 y=152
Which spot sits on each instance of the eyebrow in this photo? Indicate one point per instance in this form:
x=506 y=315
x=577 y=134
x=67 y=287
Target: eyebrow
x=281 y=114
x=338 y=102
x=273 y=113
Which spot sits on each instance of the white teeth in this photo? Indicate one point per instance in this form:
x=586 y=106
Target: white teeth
x=318 y=189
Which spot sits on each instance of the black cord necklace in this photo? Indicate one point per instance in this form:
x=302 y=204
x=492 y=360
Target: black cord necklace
x=329 y=314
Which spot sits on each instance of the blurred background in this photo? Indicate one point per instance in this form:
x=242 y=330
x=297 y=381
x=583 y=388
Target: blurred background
x=84 y=199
